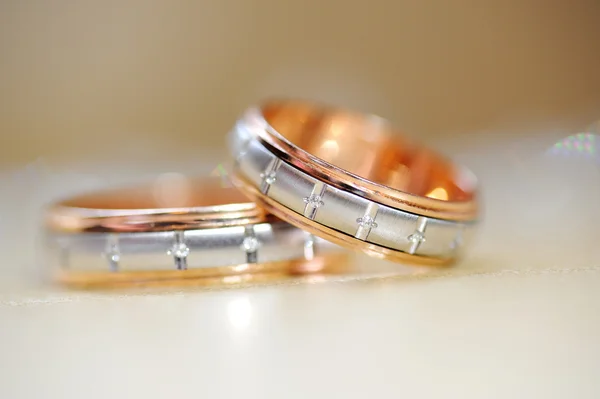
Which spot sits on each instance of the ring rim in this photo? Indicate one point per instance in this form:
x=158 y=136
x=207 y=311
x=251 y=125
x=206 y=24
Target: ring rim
x=283 y=148
x=66 y=217
x=223 y=276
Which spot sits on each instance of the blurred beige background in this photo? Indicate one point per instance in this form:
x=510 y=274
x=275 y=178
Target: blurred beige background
x=133 y=79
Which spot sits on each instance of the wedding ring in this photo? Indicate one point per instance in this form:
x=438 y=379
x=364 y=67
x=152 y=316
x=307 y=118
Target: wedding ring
x=351 y=179
x=173 y=231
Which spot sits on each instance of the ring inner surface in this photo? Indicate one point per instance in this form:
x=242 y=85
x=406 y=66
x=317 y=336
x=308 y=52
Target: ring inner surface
x=168 y=191
x=366 y=146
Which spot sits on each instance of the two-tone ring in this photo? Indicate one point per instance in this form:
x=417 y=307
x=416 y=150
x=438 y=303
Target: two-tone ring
x=177 y=230
x=317 y=176
x=350 y=179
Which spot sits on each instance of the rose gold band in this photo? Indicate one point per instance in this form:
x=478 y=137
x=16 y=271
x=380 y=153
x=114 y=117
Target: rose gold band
x=224 y=276
x=172 y=203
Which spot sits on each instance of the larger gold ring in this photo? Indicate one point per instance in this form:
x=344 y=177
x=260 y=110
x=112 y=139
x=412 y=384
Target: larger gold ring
x=350 y=179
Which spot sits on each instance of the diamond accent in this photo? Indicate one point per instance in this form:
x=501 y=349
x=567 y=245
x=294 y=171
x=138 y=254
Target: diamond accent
x=269 y=178
x=250 y=244
x=112 y=252
x=313 y=200
x=179 y=250
x=115 y=257
x=416 y=238
x=367 y=221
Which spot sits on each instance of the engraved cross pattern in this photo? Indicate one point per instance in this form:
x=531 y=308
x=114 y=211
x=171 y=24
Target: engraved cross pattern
x=418 y=237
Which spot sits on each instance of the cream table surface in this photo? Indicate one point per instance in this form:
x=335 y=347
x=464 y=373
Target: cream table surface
x=519 y=317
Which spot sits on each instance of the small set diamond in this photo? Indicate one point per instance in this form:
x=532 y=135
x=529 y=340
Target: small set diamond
x=367 y=221
x=113 y=253
x=416 y=237
x=250 y=244
x=179 y=250
x=313 y=200
x=269 y=178
x=114 y=257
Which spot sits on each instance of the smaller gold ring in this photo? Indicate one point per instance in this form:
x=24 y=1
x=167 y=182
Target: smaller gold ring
x=177 y=231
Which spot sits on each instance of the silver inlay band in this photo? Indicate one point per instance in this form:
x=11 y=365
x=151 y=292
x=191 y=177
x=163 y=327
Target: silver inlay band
x=183 y=249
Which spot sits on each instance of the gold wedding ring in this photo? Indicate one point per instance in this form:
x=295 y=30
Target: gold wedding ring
x=349 y=178
x=177 y=231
